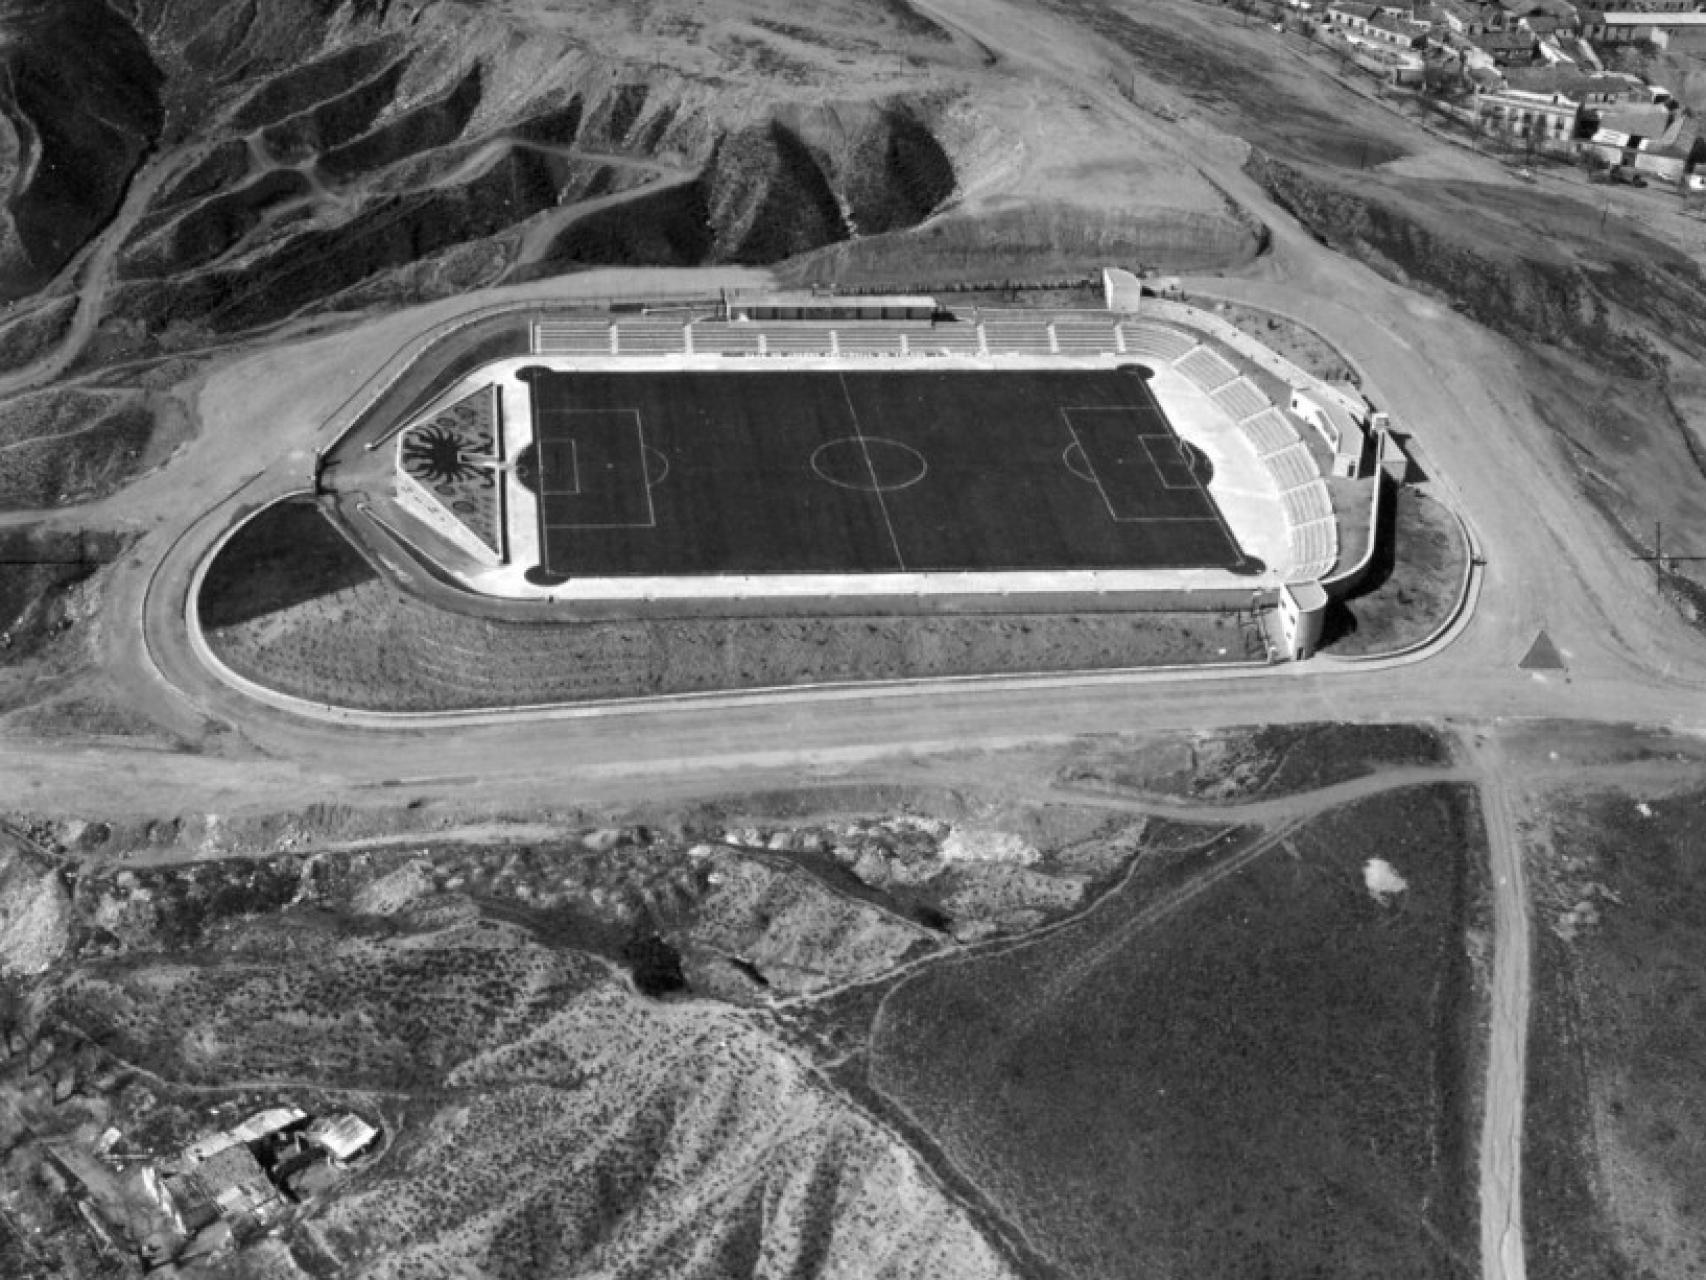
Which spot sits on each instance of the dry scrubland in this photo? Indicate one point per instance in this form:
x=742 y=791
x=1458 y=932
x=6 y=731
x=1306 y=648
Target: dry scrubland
x=1269 y=760
x=1613 y=1181
x=48 y=593
x=642 y=1049
x=291 y=605
x=1415 y=582
x=1283 y=1057
x=547 y=1114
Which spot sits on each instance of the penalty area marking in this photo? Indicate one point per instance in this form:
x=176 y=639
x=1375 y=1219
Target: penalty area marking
x=1107 y=501
x=641 y=452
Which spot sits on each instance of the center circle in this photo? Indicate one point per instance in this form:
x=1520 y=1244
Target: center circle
x=869 y=464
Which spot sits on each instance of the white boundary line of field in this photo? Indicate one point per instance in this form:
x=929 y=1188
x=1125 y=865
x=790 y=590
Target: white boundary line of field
x=1160 y=476
x=1124 y=677
x=640 y=447
x=1245 y=501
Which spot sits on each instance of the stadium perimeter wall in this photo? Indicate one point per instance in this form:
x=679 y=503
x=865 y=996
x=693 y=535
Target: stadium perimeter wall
x=409 y=382
x=444 y=592
x=1347 y=580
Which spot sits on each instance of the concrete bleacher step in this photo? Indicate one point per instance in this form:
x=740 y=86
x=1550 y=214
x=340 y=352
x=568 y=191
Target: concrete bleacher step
x=1314 y=548
x=645 y=344
x=797 y=341
x=1269 y=432
x=725 y=339
x=869 y=340
x=571 y=337
x=1292 y=467
x=1155 y=341
x=1207 y=368
x=1241 y=399
x=956 y=339
x=1306 y=504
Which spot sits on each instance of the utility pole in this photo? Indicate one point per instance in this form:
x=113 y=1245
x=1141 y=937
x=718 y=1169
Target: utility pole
x=1659 y=559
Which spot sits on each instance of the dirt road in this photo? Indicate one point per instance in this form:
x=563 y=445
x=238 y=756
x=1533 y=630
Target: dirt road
x=1502 y=1255
x=1550 y=564
x=95 y=265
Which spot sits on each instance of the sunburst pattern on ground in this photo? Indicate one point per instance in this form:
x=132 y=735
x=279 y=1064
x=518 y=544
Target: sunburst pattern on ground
x=453 y=455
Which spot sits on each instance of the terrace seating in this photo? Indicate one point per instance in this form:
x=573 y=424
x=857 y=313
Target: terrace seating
x=800 y=339
x=1305 y=504
x=1241 y=399
x=1314 y=549
x=868 y=340
x=725 y=339
x=1086 y=338
x=1269 y=432
x=1028 y=337
x=1155 y=342
x=1292 y=467
x=1207 y=368
x=959 y=339
x=645 y=338
x=571 y=337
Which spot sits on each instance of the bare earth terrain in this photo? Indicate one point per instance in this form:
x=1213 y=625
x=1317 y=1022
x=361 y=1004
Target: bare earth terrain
x=1079 y=972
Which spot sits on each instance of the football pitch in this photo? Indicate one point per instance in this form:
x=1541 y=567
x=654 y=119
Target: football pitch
x=865 y=471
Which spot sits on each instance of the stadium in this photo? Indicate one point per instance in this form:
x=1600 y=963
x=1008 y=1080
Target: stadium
x=819 y=453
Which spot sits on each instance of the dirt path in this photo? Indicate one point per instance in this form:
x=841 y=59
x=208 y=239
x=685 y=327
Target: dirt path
x=1502 y=1253
x=1281 y=808
x=97 y=267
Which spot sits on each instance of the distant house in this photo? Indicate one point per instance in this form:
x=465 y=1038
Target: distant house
x=1684 y=32
x=228 y=1184
x=1542 y=117
x=1352 y=17
x=1508 y=48
x=342 y=1137
x=1402 y=33
x=1586 y=90
x=1578 y=51
x=1458 y=16
x=1561 y=9
x=1636 y=127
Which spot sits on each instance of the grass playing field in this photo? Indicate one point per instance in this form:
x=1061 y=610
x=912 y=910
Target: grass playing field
x=866 y=472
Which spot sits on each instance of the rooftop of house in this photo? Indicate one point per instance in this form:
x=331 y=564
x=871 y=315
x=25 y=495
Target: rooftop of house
x=1682 y=143
x=1636 y=121
x=1569 y=81
x=1350 y=9
x=344 y=1136
x=1398 y=26
x=221 y=1172
x=1626 y=18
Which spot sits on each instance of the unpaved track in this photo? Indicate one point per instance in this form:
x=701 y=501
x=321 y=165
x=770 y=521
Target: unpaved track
x=1551 y=563
x=1502 y=1253
x=96 y=266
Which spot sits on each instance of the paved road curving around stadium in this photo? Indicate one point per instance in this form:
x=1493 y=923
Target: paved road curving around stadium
x=1550 y=564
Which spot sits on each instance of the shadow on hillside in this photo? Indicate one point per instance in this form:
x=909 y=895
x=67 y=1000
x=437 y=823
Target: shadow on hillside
x=286 y=556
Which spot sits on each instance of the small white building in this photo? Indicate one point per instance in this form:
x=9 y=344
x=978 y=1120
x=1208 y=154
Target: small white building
x=1302 y=617
x=1338 y=427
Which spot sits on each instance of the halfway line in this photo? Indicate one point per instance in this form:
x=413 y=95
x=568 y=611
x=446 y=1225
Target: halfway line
x=871 y=467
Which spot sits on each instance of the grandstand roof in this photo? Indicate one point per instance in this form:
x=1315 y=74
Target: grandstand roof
x=802 y=298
